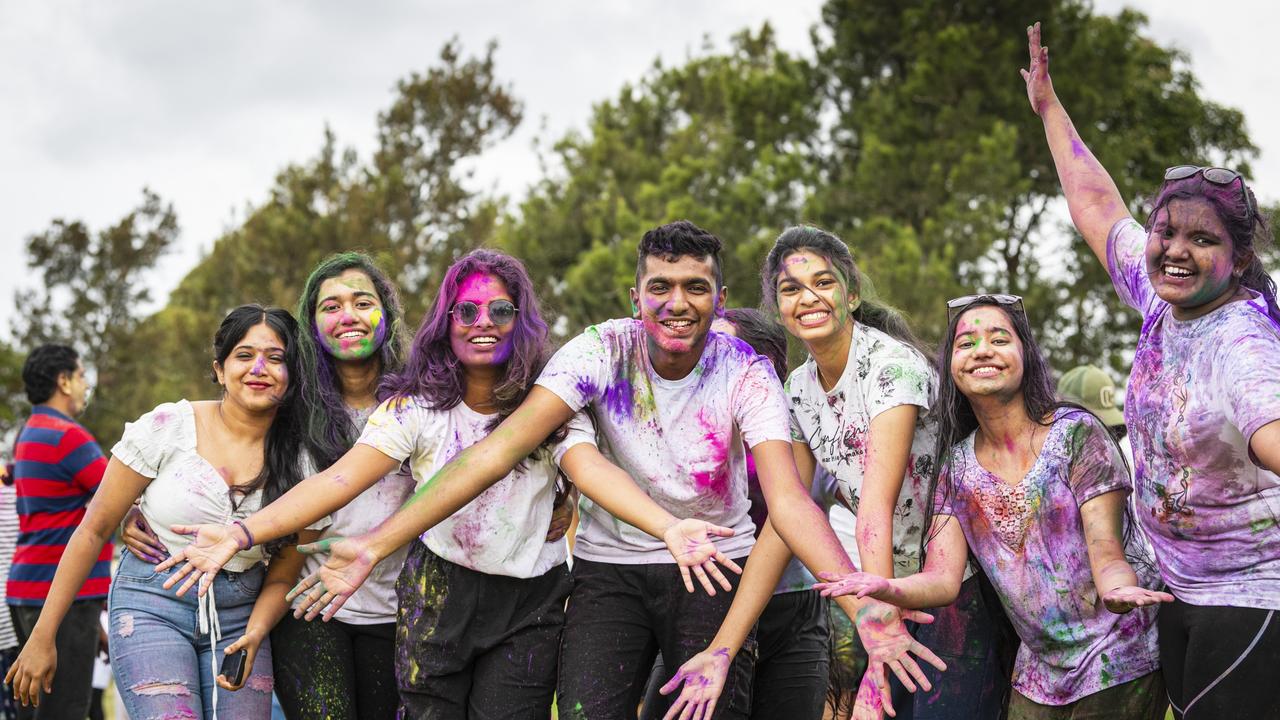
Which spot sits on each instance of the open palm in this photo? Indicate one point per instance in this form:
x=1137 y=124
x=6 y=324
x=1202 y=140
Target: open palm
x=326 y=590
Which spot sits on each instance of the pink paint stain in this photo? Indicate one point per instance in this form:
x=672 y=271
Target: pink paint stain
x=261 y=683
x=717 y=478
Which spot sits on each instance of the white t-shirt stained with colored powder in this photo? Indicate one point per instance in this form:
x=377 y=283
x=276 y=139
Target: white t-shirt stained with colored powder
x=881 y=373
x=1198 y=391
x=682 y=441
x=501 y=532
x=375 y=600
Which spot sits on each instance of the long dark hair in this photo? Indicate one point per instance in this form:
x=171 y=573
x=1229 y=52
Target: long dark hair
x=1250 y=232
x=280 y=451
x=869 y=311
x=435 y=374
x=328 y=430
x=956 y=419
x=764 y=336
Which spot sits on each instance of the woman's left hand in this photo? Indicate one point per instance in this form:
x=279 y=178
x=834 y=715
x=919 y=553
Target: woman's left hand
x=1123 y=599
x=327 y=589
x=249 y=642
x=703 y=677
x=855 y=583
x=561 y=519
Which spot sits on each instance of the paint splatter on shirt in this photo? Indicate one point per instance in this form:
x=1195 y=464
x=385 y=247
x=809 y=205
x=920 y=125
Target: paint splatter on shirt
x=881 y=373
x=1029 y=538
x=501 y=532
x=375 y=600
x=1198 y=391
x=682 y=441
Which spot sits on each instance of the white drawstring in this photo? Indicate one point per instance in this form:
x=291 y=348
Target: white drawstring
x=207 y=612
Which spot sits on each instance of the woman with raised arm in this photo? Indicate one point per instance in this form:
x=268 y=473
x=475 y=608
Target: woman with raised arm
x=482 y=595
x=1035 y=490
x=190 y=462
x=1203 y=408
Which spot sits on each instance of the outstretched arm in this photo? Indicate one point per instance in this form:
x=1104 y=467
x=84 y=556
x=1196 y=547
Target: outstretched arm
x=937 y=585
x=1095 y=203
x=1113 y=577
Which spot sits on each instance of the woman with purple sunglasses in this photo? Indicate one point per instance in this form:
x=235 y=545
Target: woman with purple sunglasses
x=1203 y=409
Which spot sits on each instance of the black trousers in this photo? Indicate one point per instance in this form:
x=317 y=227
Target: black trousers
x=1220 y=662
x=792 y=664
x=335 y=670
x=619 y=617
x=77 y=645
x=472 y=646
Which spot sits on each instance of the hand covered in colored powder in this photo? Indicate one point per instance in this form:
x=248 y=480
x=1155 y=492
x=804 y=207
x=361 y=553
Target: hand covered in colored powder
x=690 y=544
x=33 y=670
x=855 y=583
x=703 y=676
x=873 y=700
x=561 y=519
x=1123 y=599
x=140 y=539
x=327 y=589
x=887 y=642
x=212 y=546
x=1039 y=86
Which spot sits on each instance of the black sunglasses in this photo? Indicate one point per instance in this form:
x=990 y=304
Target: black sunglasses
x=501 y=312
x=955 y=306
x=1217 y=176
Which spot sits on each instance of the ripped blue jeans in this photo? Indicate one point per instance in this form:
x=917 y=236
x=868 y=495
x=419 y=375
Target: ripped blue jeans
x=162 y=662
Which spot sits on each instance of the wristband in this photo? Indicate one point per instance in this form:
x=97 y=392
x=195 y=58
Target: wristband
x=247 y=535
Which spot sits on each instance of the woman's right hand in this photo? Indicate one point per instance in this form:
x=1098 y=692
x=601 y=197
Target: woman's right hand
x=33 y=670
x=249 y=642
x=212 y=546
x=1039 y=86
x=327 y=589
x=140 y=539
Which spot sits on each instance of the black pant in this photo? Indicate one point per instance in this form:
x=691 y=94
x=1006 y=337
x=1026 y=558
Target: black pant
x=472 y=646
x=792 y=664
x=77 y=645
x=335 y=670
x=1220 y=662
x=619 y=617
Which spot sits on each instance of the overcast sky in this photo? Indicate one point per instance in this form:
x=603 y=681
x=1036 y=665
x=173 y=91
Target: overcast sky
x=205 y=102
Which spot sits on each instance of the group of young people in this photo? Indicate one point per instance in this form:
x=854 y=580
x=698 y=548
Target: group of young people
x=423 y=494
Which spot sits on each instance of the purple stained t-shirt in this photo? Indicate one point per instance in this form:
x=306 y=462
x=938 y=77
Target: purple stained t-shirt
x=1198 y=391
x=682 y=441
x=1029 y=538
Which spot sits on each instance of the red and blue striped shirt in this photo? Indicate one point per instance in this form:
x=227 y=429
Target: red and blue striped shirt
x=57 y=468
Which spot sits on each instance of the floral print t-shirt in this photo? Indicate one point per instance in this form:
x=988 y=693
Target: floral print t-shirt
x=1029 y=539
x=684 y=442
x=1198 y=391
x=881 y=373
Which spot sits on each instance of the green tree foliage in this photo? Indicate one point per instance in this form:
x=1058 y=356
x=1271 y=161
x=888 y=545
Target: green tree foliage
x=940 y=177
x=723 y=140
x=409 y=207
x=13 y=401
x=91 y=295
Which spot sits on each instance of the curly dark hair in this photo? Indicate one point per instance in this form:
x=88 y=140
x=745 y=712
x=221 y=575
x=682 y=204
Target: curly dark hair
x=679 y=239
x=43 y=367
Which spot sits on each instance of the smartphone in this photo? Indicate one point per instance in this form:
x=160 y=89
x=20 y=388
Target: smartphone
x=233 y=666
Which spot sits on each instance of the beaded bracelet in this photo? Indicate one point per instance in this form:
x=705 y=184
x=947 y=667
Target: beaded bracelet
x=247 y=535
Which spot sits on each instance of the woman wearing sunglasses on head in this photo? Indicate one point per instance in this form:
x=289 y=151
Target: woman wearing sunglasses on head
x=482 y=596
x=1203 y=409
x=1035 y=490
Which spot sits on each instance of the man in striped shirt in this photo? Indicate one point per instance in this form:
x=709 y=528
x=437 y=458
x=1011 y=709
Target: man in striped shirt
x=57 y=468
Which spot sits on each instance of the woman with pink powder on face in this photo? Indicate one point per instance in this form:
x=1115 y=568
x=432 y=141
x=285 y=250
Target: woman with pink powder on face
x=1203 y=408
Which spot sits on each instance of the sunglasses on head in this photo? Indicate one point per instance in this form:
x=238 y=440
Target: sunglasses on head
x=955 y=306
x=501 y=312
x=1216 y=176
